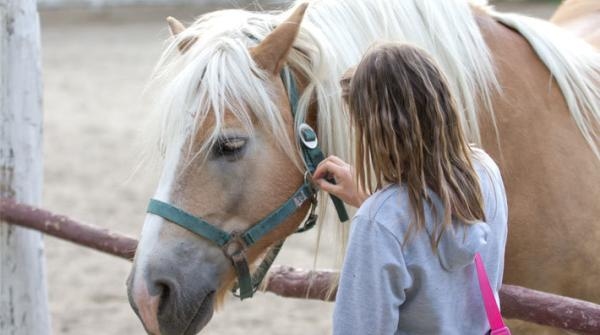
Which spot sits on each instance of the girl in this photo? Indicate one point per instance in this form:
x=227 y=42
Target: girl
x=434 y=203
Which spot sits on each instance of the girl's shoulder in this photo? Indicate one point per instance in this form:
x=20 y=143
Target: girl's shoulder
x=389 y=202
x=492 y=185
x=383 y=213
x=483 y=162
x=486 y=167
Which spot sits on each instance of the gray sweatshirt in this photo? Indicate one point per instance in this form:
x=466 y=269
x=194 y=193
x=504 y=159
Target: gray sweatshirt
x=386 y=288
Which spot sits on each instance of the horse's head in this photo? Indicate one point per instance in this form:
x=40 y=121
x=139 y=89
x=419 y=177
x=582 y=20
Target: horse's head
x=228 y=141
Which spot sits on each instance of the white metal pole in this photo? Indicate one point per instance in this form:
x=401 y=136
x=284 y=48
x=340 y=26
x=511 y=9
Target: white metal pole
x=23 y=294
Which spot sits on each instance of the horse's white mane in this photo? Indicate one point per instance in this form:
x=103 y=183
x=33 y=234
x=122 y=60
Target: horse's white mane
x=217 y=73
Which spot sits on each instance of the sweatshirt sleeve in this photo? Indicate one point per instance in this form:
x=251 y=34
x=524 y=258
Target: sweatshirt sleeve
x=372 y=282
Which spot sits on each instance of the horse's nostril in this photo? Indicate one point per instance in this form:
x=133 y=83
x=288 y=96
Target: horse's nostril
x=163 y=289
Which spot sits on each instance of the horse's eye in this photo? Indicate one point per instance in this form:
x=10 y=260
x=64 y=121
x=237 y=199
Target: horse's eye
x=231 y=147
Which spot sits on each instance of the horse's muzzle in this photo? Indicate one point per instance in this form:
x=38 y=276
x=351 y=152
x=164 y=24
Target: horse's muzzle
x=170 y=302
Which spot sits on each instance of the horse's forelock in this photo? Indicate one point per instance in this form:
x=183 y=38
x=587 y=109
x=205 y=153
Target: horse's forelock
x=214 y=77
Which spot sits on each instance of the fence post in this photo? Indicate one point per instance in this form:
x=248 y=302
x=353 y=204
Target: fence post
x=23 y=297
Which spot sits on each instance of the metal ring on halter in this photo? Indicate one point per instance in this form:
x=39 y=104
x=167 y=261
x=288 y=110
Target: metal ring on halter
x=311 y=219
x=309 y=181
x=313 y=190
x=236 y=246
x=307 y=177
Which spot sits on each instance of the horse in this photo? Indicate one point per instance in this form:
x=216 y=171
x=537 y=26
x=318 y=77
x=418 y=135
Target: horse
x=582 y=17
x=227 y=129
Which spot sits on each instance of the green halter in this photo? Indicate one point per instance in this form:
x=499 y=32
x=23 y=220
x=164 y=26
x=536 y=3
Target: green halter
x=235 y=244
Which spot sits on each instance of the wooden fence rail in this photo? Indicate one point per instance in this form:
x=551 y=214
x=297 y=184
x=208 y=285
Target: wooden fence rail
x=517 y=302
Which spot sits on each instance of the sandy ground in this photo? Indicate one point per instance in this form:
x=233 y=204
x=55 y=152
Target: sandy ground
x=95 y=67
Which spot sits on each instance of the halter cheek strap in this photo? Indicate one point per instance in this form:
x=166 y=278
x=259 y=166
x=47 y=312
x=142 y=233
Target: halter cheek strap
x=312 y=154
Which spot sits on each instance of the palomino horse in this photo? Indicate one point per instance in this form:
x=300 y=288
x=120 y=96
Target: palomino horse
x=527 y=91
x=582 y=17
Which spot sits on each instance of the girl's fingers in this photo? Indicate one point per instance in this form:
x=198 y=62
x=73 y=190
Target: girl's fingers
x=322 y=170
x=333 y=162
x=326 y=168
x=329 y=187
x=337 y=160
x=343 y=187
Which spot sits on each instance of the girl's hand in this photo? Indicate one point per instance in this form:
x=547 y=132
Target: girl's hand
x=345 y=187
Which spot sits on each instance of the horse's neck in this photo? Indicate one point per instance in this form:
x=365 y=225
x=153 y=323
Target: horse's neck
x=497 y=38
x=527 y=100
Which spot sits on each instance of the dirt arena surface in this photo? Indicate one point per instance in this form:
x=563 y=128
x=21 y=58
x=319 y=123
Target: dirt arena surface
x=95 y=65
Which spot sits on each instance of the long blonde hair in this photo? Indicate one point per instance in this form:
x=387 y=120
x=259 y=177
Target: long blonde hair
x=408 y=132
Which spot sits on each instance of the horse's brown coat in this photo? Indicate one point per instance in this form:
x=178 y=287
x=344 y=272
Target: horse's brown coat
x=551 y=175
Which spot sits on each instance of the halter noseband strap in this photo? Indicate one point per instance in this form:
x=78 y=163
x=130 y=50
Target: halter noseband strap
x=235 y=244
x=222 y=238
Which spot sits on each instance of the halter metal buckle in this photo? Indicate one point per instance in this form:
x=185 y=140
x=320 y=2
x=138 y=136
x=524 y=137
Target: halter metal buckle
x=307 y=135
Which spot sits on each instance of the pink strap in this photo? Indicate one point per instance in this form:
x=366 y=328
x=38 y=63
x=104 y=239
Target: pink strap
x=489 y=301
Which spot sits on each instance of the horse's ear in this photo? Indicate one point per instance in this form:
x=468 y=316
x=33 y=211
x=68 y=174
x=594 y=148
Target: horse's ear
x=176 y=27
x=272 y=52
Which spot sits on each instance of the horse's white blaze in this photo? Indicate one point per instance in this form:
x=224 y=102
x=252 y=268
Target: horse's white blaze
x=153 y=223
x=147 y=304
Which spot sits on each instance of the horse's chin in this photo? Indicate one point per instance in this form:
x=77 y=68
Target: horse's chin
x=202 y=317
x=170 y=325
